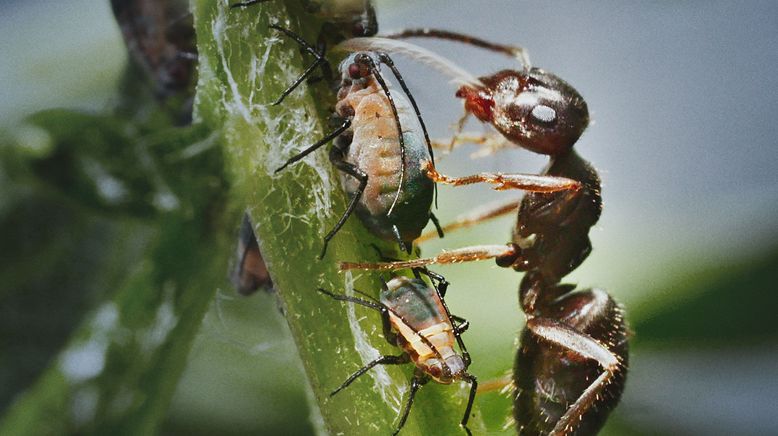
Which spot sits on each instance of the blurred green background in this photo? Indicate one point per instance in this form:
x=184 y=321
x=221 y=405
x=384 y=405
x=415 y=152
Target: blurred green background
x=683 y=99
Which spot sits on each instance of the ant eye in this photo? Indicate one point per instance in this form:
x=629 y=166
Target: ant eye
x=358 y=30
x=544 y=114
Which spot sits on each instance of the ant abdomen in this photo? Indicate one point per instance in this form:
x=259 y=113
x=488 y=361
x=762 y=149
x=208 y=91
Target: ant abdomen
x=552 y=380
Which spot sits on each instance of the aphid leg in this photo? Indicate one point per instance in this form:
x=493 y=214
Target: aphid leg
x=526 y=182
x=470 y=399
x=461 y=324
x=466 y=254
x=332 y=135
x=584 y=346
x=376 y=72
x=385 y=59
x=337 y=159
x=389 y=334
x=476 y=216
x=317 y=54
x=247 y=3
x=398 y=237
x=436 y=223
x=513 y=51
x=383 y=360
x=418 y=380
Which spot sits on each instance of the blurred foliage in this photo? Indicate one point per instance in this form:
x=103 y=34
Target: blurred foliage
x=114 y=246
x=715 y=307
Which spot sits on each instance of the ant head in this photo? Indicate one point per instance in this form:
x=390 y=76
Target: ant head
x=535 y=110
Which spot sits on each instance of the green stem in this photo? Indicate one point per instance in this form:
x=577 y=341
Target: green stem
x=243 y=68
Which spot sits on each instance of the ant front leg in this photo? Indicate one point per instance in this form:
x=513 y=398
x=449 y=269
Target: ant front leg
x=466 y=254
x=489 y=143
x=526 y=182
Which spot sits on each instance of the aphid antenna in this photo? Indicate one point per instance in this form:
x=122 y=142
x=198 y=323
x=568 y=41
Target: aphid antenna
x=446 y=67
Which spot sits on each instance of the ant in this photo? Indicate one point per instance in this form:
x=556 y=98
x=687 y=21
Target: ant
x=571 y=367
x=381 y=147
x=416 y=318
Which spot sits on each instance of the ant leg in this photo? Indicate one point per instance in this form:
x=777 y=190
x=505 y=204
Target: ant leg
x=336 y=157
x=584 y=346
x=489 y=143
x=416 y=382
x=318 y=54
x=476 y=216
x=527 y=182
x=497 y=384
x=460 y=124
x=466 y=254
x=332 y=135
x=470 y=399
x=510 y=50
x=383 y=360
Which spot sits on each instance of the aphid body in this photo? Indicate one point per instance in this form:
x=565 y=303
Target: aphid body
x=416 y=319
x=372 y=145
x=424 y=329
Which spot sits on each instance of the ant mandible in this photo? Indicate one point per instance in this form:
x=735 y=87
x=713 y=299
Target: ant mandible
x=571 y=366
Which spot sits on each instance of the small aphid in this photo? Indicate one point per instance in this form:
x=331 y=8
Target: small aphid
x=415 y=318
x=571 y=367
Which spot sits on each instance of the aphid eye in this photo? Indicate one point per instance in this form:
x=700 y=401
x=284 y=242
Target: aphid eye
x=354 y=71
x=544 y=114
